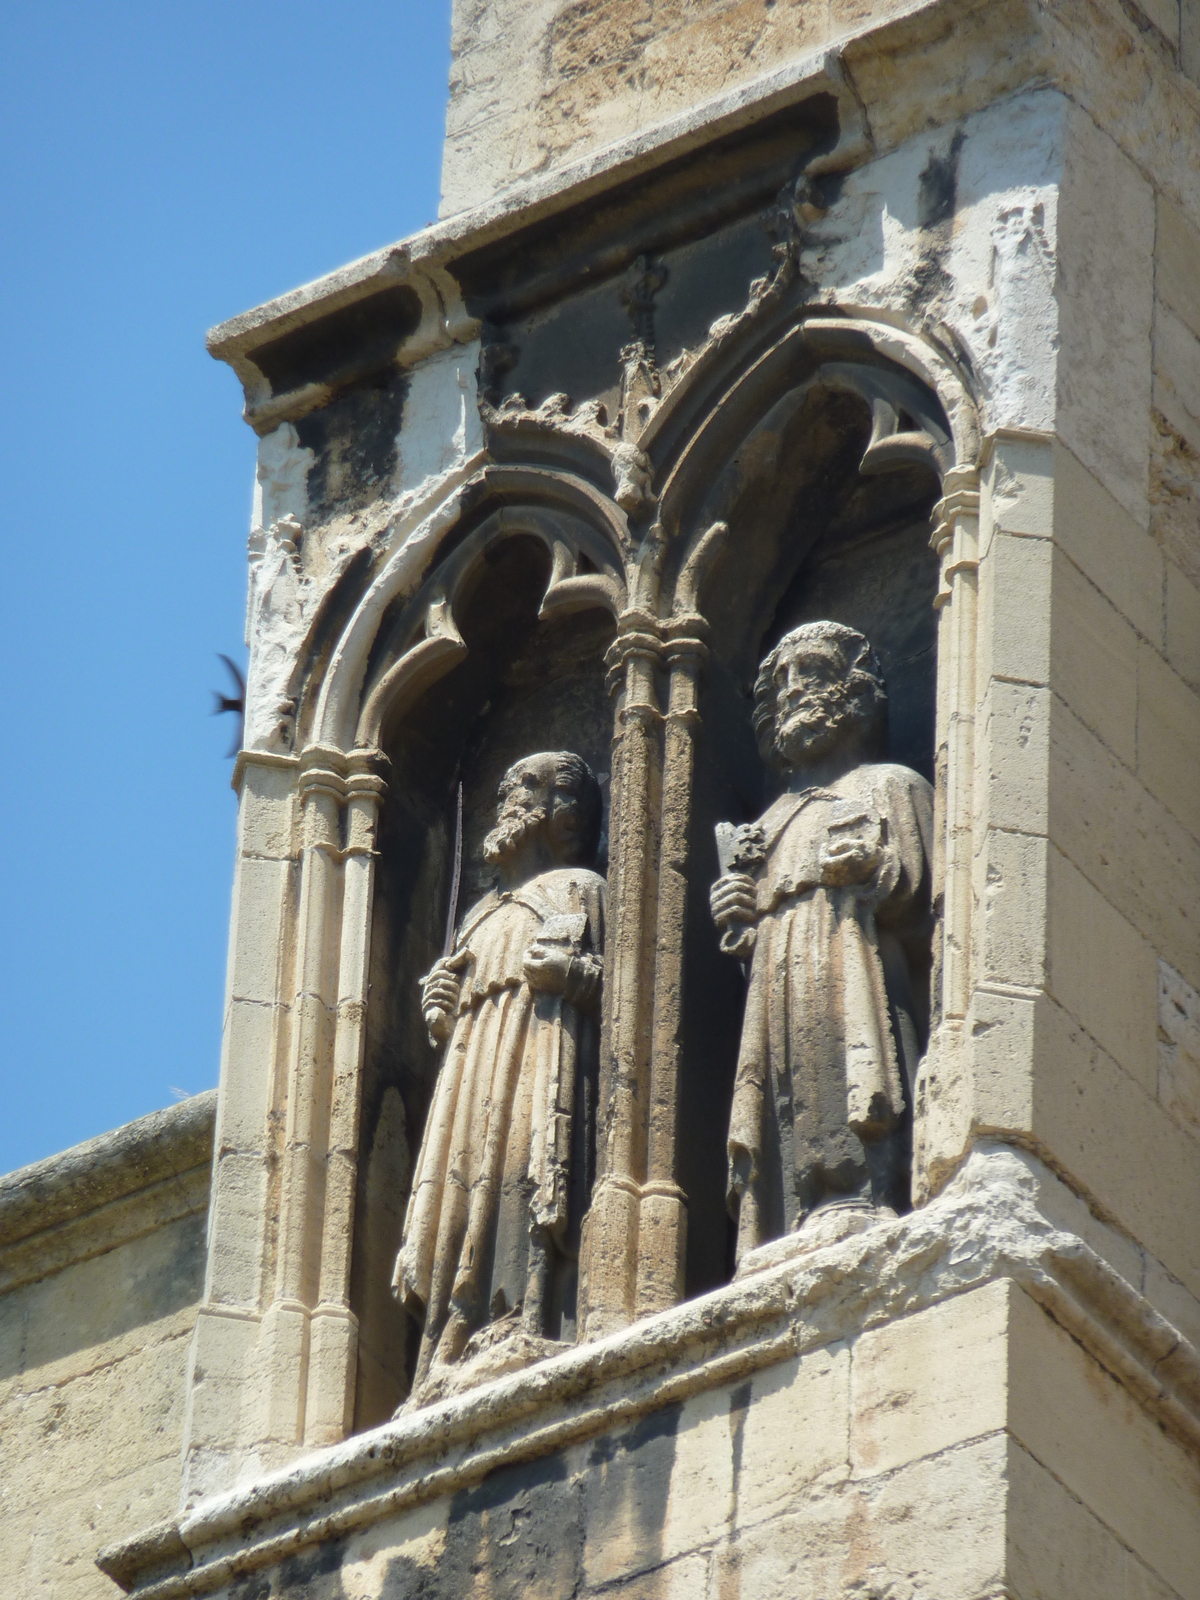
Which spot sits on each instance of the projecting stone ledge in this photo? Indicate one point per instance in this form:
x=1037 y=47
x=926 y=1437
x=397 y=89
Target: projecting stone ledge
x=819 y=1415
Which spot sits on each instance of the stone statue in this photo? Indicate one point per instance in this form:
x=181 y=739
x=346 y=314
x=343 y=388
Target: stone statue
x=490 y=1241
x=827 y=898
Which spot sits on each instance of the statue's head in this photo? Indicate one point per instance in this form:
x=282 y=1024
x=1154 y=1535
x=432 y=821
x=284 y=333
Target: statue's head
x=554 y=795
x=819 y=689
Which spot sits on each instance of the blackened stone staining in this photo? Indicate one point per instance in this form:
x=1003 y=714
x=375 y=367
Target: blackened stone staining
x=354 y=440
x=938 y=182
x=344 y=344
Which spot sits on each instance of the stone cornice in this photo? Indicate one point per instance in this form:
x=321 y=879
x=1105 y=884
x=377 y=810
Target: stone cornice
x=539 y=199
x=96 y=1195
x=989 y=1223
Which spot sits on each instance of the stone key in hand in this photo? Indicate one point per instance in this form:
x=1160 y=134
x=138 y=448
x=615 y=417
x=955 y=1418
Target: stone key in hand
x=741 y=848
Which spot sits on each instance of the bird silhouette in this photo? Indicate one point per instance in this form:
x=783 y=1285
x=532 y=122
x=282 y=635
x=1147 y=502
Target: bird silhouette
x=224 y=702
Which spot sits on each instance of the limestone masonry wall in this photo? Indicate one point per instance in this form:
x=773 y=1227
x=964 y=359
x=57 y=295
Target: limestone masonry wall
x=535 y=81
x=101 y=1271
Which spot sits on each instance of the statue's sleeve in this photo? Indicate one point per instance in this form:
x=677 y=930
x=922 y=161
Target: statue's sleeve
x=905 y=799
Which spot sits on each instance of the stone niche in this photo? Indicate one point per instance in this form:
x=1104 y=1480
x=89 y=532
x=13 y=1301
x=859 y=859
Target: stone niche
x=643 y=873
x=799 y=469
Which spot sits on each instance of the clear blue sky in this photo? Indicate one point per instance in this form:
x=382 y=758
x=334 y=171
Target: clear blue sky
x=164 y=167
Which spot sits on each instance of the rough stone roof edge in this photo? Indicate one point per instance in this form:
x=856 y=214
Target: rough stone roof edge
x=530 y=199
x=89 y=1175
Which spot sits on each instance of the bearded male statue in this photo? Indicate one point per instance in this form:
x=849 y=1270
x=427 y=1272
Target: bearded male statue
x=491 y=1236
x=827 y=897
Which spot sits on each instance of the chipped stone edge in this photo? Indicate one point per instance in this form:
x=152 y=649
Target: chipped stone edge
x=987 y=1224
x=41 y=1202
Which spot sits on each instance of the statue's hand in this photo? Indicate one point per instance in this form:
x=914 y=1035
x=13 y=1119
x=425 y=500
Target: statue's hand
x=439 y=996
x=547 y=967
x=847 y=860
x=733 y=899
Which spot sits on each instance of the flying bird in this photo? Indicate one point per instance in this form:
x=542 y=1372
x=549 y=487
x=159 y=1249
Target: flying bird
x=224 y=702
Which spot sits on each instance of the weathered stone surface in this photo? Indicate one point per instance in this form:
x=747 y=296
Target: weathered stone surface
x=1108 y=546
x=102 y=1263
x=1168 y=738
x=1107 y=980
x=924 y=1384
x=1106 y=240
x=901 y=333
x=1087 y=1432
x=1057 y=1546
x=1178 y=1078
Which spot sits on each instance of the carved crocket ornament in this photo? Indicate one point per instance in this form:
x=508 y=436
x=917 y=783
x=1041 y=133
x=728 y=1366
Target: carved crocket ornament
x=826 y=901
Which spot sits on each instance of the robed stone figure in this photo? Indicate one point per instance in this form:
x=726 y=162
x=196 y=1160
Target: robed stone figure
x=827 y=899
x=491 y=1236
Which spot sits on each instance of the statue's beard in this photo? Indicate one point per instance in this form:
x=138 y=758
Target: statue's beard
x=811 y=727
x=510 y=833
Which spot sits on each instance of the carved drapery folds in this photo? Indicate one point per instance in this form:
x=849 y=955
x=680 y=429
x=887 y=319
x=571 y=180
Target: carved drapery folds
x=786 y=477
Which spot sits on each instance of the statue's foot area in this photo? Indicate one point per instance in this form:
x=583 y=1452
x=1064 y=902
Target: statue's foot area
x=829 y=1223
x=498 y=1348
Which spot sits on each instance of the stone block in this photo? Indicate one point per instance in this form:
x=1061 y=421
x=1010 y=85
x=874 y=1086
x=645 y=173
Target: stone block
x=1106 y=1134
x=247 y=1059
x=1002 y=1045
x=925 y=1383
x=16 y=1547
x=146 y=1403
x=1056 y=1546
x=1010 y=873
x=266 y=811
x=14 y=1317
x=260 y=896
x=1177 y=374
x=1093 y=660
x=1012 y=758
x=1176 y=252
x=1168 y=742
x=65 y=1541
x=790 y=1430
x=1183 y=625
x=223 y=1364
x=936 y=1527
x=629 y=1489
x=517 y=1534
x=1021 y=487
x=1014 y=605
x=1103 y=971
x=238 y=1225
x=1093 y=1436
x=400 y=1556
x=1105 y=291
x=1125 y=841
x=54 y=1439
x=702 y=1485
x=1106 y=543
x=1178 y=1082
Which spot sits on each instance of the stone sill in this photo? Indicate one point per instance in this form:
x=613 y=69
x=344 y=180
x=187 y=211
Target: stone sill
x=989 y=1223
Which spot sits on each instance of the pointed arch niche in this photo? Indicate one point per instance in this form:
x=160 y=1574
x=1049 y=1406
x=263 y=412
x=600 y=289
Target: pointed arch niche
x=825 y=468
